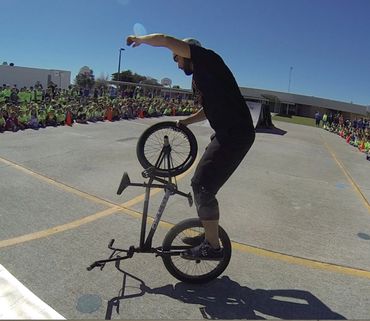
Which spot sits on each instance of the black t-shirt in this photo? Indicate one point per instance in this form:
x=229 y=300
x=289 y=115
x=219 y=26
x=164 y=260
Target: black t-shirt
x=220 y=96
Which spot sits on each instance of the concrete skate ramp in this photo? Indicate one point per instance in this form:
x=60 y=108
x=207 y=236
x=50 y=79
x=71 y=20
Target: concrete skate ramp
x=255 y=109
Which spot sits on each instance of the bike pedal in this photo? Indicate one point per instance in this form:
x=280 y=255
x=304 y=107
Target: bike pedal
x=148 y=172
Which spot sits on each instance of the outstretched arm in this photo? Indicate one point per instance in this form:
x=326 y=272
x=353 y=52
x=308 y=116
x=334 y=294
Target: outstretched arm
x=177 y=46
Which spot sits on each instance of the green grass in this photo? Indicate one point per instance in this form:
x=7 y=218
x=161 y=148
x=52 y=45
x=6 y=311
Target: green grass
x=296 y=120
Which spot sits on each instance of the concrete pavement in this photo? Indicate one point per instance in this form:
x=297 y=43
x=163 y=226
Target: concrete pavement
x=297 y=210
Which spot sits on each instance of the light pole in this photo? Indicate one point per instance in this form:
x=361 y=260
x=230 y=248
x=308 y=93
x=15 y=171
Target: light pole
x=119 y=64
x=290 y=78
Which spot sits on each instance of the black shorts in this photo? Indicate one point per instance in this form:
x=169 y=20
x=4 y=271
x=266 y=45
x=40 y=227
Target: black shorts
x=219 y=161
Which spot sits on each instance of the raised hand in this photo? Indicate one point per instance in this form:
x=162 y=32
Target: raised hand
x=134 y=41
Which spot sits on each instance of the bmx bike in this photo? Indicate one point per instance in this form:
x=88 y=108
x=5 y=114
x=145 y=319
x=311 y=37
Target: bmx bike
x=166 y=150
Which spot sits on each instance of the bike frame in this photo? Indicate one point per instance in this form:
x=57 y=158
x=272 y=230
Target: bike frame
x=145 y=245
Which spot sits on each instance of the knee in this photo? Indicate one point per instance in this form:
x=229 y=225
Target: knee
x=206 y=203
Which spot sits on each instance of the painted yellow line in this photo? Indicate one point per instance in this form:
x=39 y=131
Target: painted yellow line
x=114 y=208
x=166 y=225
x=308 y=263
x=57 y=229
x=85 y=220
x=76 y=223
x=85 y=195
x=301 y=261
x=54 y=182
x=347 y=175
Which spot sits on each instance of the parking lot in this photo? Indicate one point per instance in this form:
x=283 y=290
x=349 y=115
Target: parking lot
x=297 y=211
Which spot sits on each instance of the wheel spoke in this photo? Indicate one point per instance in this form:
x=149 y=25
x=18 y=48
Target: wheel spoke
x=181 y=148
x=191 y=267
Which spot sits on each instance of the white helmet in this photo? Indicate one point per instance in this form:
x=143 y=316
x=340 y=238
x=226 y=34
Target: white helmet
x=192 y=41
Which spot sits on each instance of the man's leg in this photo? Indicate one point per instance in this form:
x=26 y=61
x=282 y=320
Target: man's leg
x=206 y=246
x=213 y=170
x=211 y=233
x=208 y=212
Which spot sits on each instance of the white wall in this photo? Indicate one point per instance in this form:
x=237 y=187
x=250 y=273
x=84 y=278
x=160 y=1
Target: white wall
x=24 y=76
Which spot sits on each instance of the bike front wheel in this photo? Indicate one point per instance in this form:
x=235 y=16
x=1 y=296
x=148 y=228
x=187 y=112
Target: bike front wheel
x=168 y=148
x=193 y=271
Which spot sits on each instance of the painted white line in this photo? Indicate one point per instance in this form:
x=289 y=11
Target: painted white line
x=17 y=302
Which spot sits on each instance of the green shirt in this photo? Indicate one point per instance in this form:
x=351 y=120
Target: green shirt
x=7 y=92
x=24 y=118
x=367 y=146
x=22 y=97
x=61 y=117
x=41 y=115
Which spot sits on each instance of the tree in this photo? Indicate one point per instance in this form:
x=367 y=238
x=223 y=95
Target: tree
x=85 y=78
x=101 y=82
x=129 y=76
x=150 y=81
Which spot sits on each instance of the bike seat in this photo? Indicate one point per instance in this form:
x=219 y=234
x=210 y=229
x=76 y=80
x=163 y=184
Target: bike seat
x=125 y=181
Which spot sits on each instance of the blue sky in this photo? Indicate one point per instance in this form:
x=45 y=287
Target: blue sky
x=327 y=42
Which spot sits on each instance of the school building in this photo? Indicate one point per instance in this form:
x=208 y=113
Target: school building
x=299 y=105
x=27 y=77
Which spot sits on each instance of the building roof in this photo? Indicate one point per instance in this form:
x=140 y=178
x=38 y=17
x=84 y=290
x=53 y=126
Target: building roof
x=293 y=99
x=8 y=68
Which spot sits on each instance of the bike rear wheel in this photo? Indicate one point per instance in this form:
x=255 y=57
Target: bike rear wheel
x=190 y=271
x=169 y=148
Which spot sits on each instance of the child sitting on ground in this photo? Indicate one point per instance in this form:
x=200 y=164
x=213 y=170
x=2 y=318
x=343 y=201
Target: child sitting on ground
x=81 y=116
x=33 y=122
x=11 y=122
x=51 y=119
x=2 y=122
x=23 y=119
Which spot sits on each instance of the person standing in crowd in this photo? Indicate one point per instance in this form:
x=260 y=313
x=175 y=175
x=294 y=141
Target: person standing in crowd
x=225 y=108
x=317 y=118
x=324 y=120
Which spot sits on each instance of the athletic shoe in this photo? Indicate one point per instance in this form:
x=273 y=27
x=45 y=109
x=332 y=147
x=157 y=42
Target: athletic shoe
x=194 y=240
x=204 y=251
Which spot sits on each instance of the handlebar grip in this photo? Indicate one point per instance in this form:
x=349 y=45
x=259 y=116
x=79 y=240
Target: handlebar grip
x=89 y=268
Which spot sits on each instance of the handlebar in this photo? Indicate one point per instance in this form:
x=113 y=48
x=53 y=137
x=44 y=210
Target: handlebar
x=94 y=265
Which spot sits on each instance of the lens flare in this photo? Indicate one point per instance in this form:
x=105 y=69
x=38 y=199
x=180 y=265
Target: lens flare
x=139 y=29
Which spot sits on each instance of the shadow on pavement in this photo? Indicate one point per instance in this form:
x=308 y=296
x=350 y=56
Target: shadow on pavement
x=123 y=294
x=271 y=130
x=226 y=299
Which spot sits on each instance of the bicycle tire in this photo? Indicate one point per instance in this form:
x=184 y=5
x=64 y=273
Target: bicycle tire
x=196 y=272
x=183 y=143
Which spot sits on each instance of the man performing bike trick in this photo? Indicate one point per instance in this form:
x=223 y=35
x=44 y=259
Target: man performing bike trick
x=215 y=88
